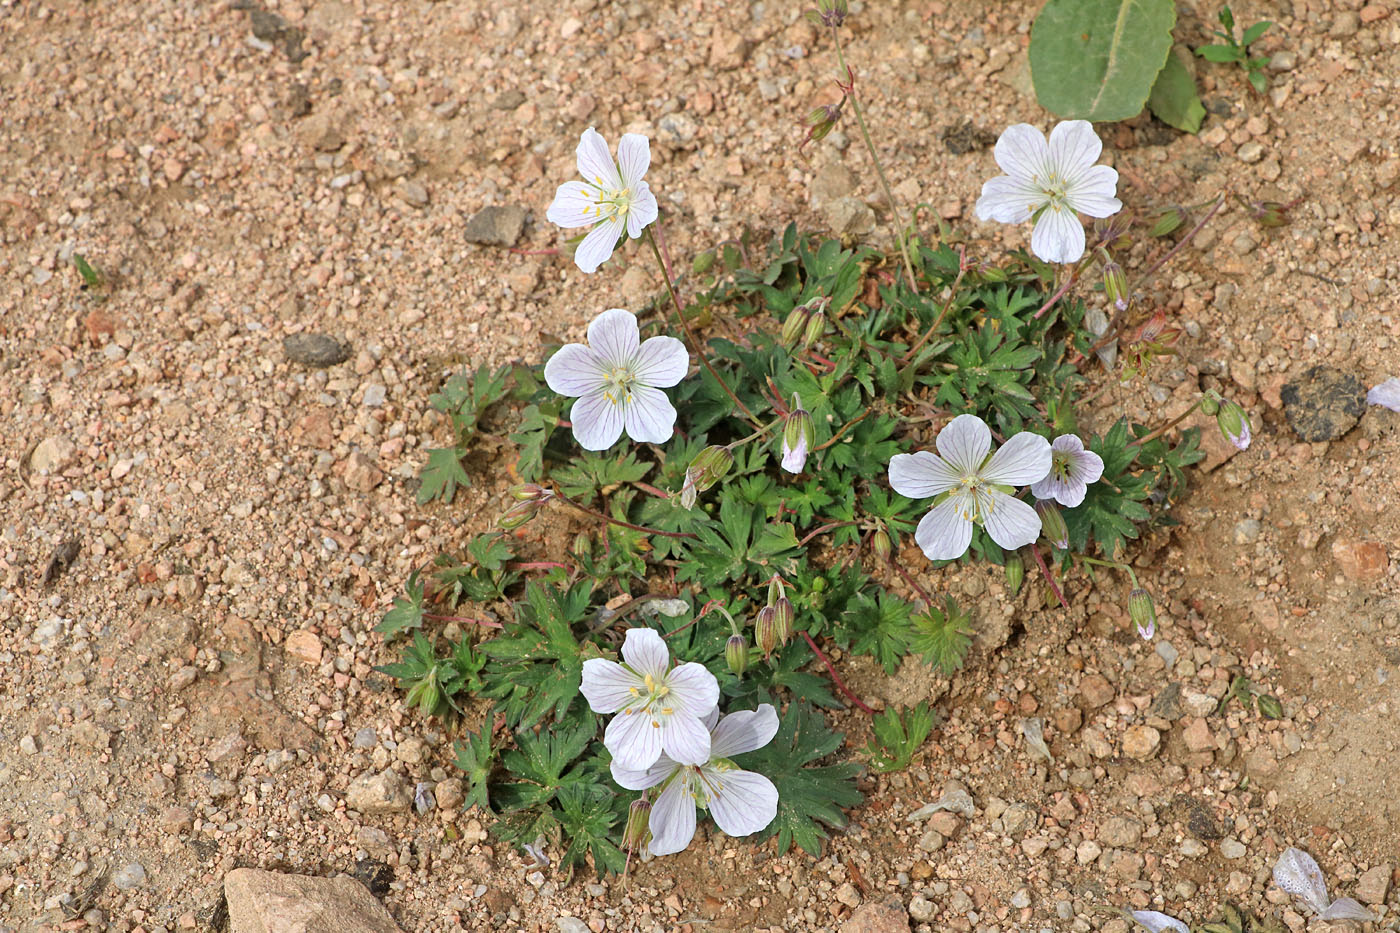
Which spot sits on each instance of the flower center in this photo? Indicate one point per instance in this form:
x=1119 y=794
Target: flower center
x=650 y=699
x=1060 y=466
x=608 y=204
x=618 y=387
x=1055 y=188
x=974 y=501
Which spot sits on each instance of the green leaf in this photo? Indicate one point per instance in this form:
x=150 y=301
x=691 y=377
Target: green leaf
x=475 y=757
x=809 y=798
x=407 y=611
x=441 y=475
x=941 y=636
x=1174 y=100
x=1252 y=34
x=1097 y=59
x=898 y=736
x=1258 y=81
x=599 y=473
x=880 y=624
x=536 y=664
x=588 y=816
x=1220 y=53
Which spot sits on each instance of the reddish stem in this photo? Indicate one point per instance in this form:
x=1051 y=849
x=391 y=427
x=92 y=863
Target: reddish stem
x=1035 y=552
x=441 y=618
x=836 y=678
x=534 y=252
x=923 y=594
x=823 y=529
x=537 y=565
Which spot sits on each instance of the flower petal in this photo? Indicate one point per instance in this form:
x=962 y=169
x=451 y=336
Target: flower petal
x=607 y=685
x=633 y=740
x=1297 y=873
x=575 y=370
x=646 y=653
x=597 y=422
x=1008 y=200
x=1157 y=922
x=944 y=534
x=1074 y=147
x=598 y=246
x=794 y=458
x=1387 y=394
x=741 y=802
x=649 y=415
x=1086 y=466
x=964 y=443
x=633 y=157
x=1058 y=236
x=642 y=778
x=1068 y=492
x=1346 y=908
x=685 y=739
x=694 y=690
x=643 y=210
x=1022 y=152
x=661 y=362
x=744 y=731
x=613 y=335
x=1023 y=459
x=672 y=821
x=1092 y=192
x=921 y=475
x=595 y=163
x=574 y=205
x=1009 y=521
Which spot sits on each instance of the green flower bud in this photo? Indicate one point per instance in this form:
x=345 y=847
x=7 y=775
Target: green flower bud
x=736 y=654
x=1210 y=404
x=1115 y=286
x=1142 y=612
x=765 y=630
x=775 y=590
x=816 y=327
x=882 y=546
x=703 y=262
x=425 y=694
x=1167 y=221
x=799 y=433
x=518 y=514
x=783 y=617
x=1015 y=573
x=638 y=828
x=1269 y=706
x=1052 y=523
x=530 y=492
x=795 y=326
x=583 y=545
x=1234 y=424
x=710 y=466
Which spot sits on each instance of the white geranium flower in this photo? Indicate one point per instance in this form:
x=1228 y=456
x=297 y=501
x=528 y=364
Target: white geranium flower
x=1297 y=873
x=1050 y=181
x=612 y=195
x=741 y=802
x=1072 y=469
x=659 y=710
x=617 y=379
x=972 y=487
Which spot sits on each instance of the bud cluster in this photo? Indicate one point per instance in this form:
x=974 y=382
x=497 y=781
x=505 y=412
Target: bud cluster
x=805 y=324
x=529 y=499
x=773 y=623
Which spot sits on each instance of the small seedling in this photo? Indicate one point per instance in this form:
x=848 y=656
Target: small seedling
x=1233 y=50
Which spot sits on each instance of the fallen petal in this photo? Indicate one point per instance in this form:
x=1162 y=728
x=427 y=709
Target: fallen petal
x=1387 y=394
x=1344 y=908
x=1297 y=873
x=1034 y=731
x=1156 y=921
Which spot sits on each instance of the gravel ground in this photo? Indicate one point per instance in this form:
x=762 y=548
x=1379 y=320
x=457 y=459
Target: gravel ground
x=225 y=517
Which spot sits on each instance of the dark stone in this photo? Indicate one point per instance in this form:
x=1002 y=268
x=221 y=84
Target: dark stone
x=508 y=100
x=1199 y=820
x=273 y=29
x=1167 y=704
x=1323 y=403
x=315 y=350
x=299 y=100
x=965 y=138
x=496 y=226
x=374 y=875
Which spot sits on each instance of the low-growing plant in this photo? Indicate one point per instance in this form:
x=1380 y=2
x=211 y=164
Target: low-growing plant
x=1237 y=50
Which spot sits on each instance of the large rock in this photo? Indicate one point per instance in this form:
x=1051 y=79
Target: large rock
x=496 y=226
x=1323 y=403
x=384 y=792
x=52 y=454
x=270 y=902
x=883 y=916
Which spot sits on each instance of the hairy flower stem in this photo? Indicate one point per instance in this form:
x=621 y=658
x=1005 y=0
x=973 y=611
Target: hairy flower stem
x=1116 y=565
x=1063 y=290
x=435 y=617
x=900 y=231
x=755 y=435
x=617 y=521
x=836 y=678
x=829 y=526
x=913 y=584
x=690 y=334
x=1152 y=436
x=1045 y=572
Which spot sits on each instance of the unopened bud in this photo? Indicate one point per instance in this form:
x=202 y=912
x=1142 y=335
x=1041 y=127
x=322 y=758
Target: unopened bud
x=703 y=262
x=1167 y=221
x=1115 y=286
x=1268 y=213
x=1269 y=706
x=425 y=694
x=638 y=829
x=795 y=326
x=1052 y=523
x=1142 y=612
x=816 y=327
x=783 y=616
x=1015 y=573
x=736 y=654
x=775 y=590
x=882 y=545
x=530 y=492
x=1210 y=404
x=1112 y=231
x=709 y=466
x=518 y=514
x=799 y=433
x=1234 y=424
x=765 y=630
x=583 y=545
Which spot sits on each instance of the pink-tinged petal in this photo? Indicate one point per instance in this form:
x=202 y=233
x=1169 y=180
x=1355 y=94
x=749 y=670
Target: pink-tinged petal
x=944 y=534
x=607 y=685
x=1058 y=236
x=645 y=652
x=1074 y=146
x=921 y=475
x=1086 y=466
x=1068 y=492
x=964 y=443
x=598 y=246
x=685 y=739
x=694 y=690
x=1022 y=153
x=794 y=458
x=1093 y=192
x=614 y=337
x=595 y=163
x=649 y=416
x=575 y=205
x=741 y=802
x=633 y=739
x=633 y=157
x=744 y=731
x=672 y=820
x=1022 y=460
x=642 y=778
x=643 y=211
x=1008 y=200
x=1387 y=394
x=1010 y=522
x=597 y=422
x=575 y=370
x=661 y=362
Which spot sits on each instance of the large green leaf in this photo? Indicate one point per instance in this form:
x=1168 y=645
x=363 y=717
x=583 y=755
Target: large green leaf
x=1098 y=59
x=1174 y=100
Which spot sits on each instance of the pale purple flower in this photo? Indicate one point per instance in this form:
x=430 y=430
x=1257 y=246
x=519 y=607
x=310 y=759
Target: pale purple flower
x=1049 y=182
x=1297 y=873
x=617 y=379
x=659 y=709
x=1387 y=394
x=972 y=487
x=741 y=802
x=1158 y=922
x=612 y=196
x=1072 y=469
